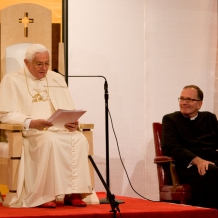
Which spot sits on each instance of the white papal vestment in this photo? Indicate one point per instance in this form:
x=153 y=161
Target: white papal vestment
x=53 y=162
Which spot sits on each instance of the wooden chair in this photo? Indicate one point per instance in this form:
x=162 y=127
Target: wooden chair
x=169 y=187
x=9 y=163
x=17 y=33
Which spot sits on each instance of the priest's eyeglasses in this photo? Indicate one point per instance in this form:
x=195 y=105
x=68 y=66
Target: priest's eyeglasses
x=188 y=100
x=41 y=64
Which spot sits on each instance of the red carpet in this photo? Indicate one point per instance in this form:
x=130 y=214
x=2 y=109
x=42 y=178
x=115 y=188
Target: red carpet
x=132 y=208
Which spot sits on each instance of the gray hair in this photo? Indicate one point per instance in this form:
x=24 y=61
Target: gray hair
x=33 y=49
x=199 y=91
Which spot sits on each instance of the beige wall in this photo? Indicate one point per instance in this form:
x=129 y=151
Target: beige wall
x=54 y=5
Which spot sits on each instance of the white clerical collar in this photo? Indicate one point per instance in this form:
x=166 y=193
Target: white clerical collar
x=192 y=118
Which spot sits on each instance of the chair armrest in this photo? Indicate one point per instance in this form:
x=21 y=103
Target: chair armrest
x=163 y=159
x=86 y=127
x=166 y=159
x=12 y=127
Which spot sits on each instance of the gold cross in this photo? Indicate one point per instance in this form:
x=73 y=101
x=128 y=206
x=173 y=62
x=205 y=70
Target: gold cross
x=25 y=21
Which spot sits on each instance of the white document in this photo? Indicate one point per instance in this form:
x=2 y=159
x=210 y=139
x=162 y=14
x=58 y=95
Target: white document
x=60 y=117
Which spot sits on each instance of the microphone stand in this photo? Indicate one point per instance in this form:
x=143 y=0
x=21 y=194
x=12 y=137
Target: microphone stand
x=106 y=97
x=114 y=204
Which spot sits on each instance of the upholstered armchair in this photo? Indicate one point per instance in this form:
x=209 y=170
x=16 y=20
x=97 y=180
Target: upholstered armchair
x=169 y=187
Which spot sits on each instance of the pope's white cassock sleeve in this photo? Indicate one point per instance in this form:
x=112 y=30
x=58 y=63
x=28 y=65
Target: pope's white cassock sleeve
x=53 y=162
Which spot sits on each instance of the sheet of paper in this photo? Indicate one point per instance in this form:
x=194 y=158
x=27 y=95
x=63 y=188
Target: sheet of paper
x=61 y=117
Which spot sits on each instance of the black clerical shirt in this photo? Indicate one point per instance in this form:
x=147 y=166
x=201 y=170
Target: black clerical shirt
x=185 y=139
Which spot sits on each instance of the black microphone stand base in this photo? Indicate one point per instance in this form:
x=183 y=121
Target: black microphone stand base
x=106 y=201
x=110 y=197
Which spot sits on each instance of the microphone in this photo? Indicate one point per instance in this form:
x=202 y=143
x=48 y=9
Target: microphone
x=56 y=71
x=106 y=95
x=59 y=85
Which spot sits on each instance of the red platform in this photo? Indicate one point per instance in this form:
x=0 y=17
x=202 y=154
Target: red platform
x=132 y=208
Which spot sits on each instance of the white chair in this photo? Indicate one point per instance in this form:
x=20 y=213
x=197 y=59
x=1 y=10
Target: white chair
x=12 y=49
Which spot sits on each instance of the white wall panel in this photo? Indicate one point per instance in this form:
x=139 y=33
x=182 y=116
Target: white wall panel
x=148 y=50
x=106 y=38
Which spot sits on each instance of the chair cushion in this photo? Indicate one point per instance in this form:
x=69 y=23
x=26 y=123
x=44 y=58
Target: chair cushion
x=4 y=149
x=182 y=192
x=179 y=188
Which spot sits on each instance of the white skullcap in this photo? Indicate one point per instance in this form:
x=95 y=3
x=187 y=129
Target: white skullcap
x=33 y=49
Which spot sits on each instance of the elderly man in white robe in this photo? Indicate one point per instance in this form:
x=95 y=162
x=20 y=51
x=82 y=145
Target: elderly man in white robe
x=54 y=160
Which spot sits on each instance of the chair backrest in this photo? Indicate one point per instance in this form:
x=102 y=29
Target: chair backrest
x=163 y=172
x=157 y=131
x=14 y=56
x=22 y=23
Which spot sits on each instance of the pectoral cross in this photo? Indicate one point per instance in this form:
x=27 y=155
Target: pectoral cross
x=25 y=21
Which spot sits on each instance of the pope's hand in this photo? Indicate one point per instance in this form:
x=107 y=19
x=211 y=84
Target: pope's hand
x=72 y=126
x=40 y=124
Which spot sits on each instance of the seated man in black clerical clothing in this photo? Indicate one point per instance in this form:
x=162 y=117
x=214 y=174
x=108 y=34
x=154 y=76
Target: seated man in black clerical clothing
x=191 y=138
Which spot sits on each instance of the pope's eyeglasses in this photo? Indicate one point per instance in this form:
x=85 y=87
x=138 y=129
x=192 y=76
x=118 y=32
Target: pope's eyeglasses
x=41 y=64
